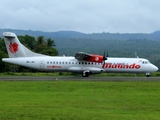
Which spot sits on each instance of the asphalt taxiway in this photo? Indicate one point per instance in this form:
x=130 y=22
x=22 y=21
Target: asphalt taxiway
x=76 y=78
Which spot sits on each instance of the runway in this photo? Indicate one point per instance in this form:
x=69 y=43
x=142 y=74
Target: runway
x=75 y=78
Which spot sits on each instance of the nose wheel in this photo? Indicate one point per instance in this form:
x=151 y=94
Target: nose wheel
x=147 y=74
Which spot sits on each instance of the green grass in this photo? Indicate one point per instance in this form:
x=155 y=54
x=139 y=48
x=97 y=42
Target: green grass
x=154 y=74
x=79 y=100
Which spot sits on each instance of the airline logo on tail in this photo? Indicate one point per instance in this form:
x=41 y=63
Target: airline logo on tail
x=13 y=47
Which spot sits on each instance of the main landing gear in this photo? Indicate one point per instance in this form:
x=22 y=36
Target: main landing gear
x=147 y=74
x=85 y=73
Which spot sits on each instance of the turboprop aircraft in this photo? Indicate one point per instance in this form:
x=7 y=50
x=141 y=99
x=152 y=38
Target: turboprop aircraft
x=82 y=63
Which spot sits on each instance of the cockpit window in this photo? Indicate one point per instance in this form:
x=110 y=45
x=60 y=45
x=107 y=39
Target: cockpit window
x=145 y=62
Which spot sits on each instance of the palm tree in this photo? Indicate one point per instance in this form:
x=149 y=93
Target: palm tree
x=50 y=42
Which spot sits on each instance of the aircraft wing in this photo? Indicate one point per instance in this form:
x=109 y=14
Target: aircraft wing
x=89 y=57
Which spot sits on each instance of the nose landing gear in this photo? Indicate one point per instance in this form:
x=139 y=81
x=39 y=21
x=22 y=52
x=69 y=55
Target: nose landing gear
x=147 y=74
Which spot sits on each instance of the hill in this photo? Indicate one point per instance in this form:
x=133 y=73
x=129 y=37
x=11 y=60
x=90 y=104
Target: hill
x=97 y=36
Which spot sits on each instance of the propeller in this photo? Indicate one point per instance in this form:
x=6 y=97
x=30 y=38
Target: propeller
x=104 y=58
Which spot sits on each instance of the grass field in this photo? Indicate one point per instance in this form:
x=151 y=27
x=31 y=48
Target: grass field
x=155 y=74
x=79 y=100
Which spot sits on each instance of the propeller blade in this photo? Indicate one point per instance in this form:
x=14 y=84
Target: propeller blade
x=104 y=56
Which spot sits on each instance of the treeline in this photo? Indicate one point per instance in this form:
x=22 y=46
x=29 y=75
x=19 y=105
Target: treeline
x=149 y=49
x=38 y=45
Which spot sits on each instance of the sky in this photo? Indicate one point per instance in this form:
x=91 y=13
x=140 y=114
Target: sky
x=87 y=16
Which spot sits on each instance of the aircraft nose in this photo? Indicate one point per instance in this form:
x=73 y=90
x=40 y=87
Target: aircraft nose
x=155 y=68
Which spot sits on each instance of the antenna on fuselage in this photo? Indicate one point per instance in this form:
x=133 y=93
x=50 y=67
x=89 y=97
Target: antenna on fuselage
x=136 y=55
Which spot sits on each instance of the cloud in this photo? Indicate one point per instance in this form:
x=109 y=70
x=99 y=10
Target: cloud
x=89 y=16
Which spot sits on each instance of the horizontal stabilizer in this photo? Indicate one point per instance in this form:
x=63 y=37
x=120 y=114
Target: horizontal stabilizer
x=9 y=35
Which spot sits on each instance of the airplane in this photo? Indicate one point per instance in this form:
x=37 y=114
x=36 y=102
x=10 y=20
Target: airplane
x=83 y=63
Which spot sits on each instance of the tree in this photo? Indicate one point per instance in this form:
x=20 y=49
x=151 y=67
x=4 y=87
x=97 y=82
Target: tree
x=28 y=41
x=50 y=51
x=2 y=64
x=40 y=44
x=50 y=42
x=2 y=45
x=46 y=46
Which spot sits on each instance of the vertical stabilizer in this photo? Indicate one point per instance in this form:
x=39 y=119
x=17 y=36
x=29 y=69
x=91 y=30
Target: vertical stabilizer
x=15 y=48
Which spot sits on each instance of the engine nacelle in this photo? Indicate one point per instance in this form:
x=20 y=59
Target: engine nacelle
x=95 y=58
x=90 y=57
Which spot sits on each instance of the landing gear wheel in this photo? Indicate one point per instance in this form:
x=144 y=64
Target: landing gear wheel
x=147 y=74
x=85 y=74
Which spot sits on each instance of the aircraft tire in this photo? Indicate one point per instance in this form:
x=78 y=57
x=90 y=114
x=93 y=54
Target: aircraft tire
x=147 y=74
x=85 y=74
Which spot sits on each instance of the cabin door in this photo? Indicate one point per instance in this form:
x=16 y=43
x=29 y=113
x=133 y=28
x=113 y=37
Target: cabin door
x=41 y=65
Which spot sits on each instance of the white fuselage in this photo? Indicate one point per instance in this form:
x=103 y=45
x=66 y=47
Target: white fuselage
x=133 y=65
